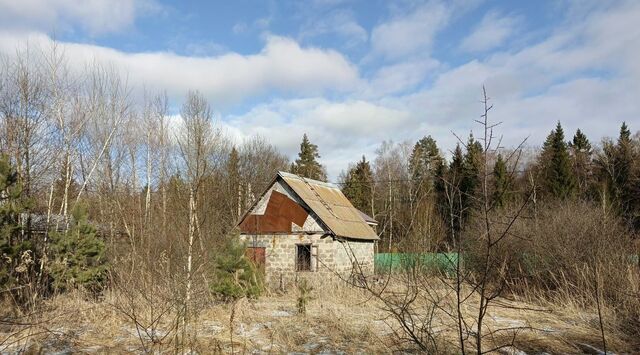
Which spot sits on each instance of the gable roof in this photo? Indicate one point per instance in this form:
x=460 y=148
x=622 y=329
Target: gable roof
x=331 y=206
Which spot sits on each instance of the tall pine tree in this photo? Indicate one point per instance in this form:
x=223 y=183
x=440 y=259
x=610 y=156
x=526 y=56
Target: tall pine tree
x=556 y=174
x=358 y=186
x=307 y=164
x=424 y=160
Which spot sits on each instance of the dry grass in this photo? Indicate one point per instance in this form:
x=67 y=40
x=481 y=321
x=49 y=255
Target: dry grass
x=339 y=318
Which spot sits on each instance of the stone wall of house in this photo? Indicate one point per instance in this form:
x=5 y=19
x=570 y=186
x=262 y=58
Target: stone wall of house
x=350 y=252
x=333 y=256
x=280 y=256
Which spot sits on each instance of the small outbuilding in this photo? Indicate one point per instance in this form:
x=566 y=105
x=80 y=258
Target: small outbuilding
x=301 y=226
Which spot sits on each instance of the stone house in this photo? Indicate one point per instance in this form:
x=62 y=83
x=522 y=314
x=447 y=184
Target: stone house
x=303 y=227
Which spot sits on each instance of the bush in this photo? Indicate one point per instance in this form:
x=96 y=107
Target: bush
x=78 y=256
x=235 y=276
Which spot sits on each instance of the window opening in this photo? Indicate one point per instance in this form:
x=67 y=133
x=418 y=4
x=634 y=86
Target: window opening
x=303 y=257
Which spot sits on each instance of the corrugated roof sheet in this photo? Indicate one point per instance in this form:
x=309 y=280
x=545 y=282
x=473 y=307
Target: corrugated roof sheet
x=331 y=206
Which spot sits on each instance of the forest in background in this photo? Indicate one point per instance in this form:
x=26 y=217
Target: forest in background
x=102 y=190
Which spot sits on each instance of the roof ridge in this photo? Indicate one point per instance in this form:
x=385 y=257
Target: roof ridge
x=308 y=180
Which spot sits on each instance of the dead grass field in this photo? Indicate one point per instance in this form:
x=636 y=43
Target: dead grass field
x=339 y=319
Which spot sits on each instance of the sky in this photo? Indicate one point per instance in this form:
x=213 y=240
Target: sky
x=351 y=74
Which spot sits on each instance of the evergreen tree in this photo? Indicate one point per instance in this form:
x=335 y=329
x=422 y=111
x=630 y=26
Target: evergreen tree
x=440 y=188
x=14 y=269
x=78 y=255
x=456 y=200
x=307 y=165
x=358 y=186
x=235 y=276
x=581 y=158
x=501 y=182
x=557 y=177
x=424 y=160
x=472 y=166
x=626 y=179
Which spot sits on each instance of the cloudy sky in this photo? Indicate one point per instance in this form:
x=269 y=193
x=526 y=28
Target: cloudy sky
x=353 y=73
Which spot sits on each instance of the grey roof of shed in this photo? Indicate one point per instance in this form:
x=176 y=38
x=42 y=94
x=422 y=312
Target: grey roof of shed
x=370 y=220
x=332 y=207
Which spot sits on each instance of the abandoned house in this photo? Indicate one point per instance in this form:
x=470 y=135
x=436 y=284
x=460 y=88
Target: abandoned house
x=300 y=226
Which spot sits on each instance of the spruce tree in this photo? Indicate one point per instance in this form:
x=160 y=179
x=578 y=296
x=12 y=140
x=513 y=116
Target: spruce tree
x=358 y=186
x=501 y=182
x=456 y=201
x=581 y=158
x=472 y=166
x=557 y=178
x=441 y=189
x=79 y=255
x=307 y=164
x=625 y=181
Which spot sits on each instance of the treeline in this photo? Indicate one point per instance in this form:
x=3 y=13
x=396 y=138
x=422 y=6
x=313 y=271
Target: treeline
x=419 y=197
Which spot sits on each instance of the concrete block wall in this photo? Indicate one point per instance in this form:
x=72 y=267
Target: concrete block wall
x=332 y=256
x=350 y=252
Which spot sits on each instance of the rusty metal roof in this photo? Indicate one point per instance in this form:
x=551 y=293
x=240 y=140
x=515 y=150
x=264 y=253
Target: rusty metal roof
x=331 y=206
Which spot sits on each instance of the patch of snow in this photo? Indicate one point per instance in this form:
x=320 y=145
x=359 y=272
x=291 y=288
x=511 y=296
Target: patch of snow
x=281 y=314
x=212 y=327
x=509 y=321
x=512 y=350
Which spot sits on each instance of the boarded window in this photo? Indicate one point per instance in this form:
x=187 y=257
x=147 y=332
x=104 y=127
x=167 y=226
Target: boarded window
x=303 y=257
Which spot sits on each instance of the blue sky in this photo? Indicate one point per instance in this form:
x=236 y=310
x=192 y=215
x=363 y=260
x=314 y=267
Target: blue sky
x=354 y=73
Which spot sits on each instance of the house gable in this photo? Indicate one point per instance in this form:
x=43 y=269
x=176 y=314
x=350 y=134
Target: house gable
x=280 y=211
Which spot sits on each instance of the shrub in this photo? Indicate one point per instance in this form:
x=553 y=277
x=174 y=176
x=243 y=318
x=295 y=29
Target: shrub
x=304 y=296
x=78 y=256
x=235 y=276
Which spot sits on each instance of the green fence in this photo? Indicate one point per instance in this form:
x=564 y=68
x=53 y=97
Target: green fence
x=385 y=262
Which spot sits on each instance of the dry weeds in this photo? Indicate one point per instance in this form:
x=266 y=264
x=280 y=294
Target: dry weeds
x=340 y=318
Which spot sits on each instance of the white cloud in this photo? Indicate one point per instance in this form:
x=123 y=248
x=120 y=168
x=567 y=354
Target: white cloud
x=343 y=130
x=412 y=32
x=399 y=77
x=492 y=32
x=281 y=66
x=95 y=16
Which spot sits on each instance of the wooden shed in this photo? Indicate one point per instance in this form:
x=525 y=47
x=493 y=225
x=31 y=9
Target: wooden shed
x=300 y=226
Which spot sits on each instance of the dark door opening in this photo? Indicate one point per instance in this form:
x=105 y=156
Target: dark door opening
x=303 y=257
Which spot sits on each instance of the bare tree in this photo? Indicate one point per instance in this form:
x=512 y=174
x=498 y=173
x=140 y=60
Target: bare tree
x=197 y=140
